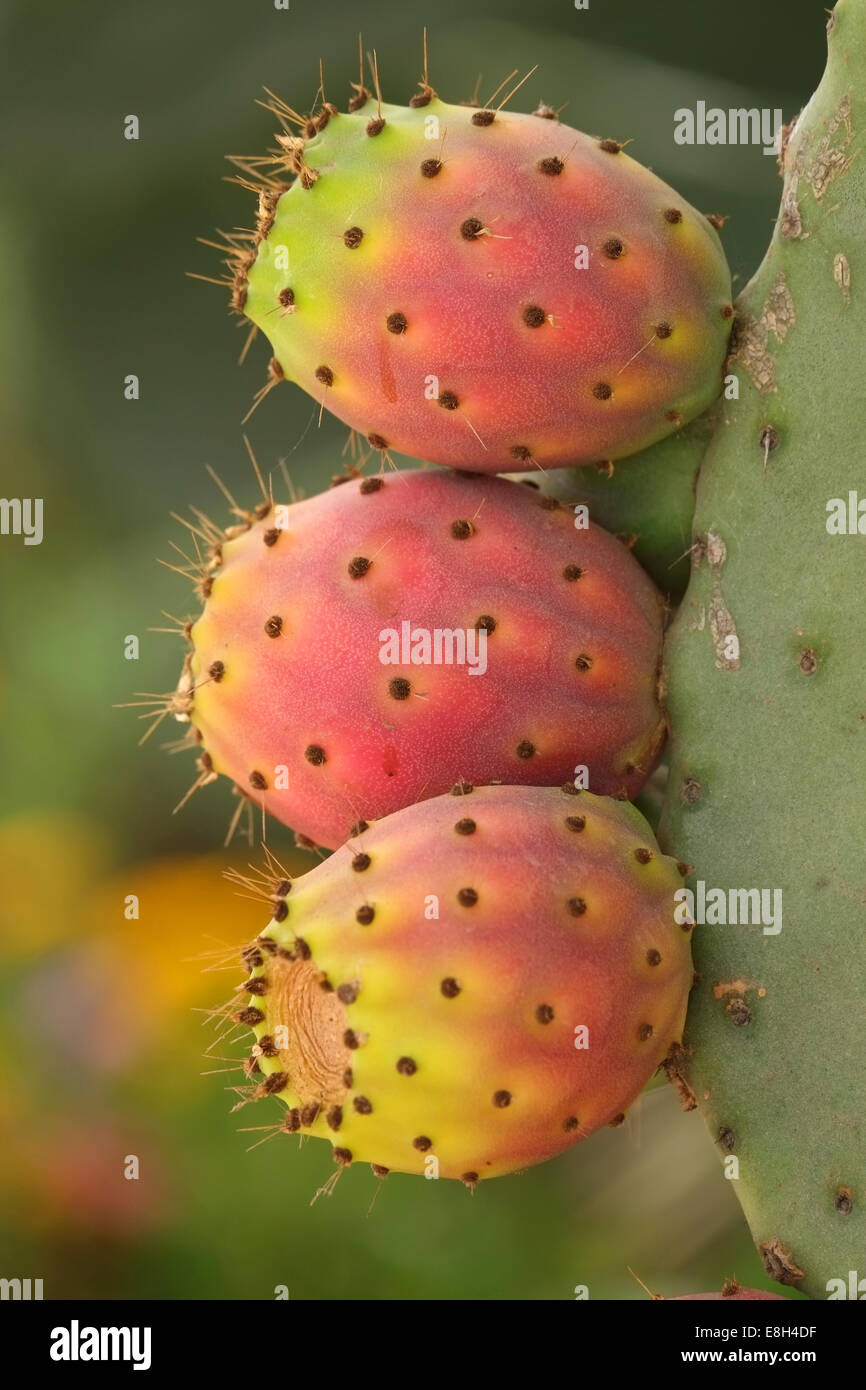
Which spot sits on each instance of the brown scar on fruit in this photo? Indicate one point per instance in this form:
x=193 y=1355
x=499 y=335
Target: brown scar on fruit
x=779 y=1263
x=752 y=347
x=674 y=1068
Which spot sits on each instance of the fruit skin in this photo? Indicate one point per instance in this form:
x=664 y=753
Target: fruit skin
x=285 y=671
x=453 y=1036
x=425 y=290
x=769 y=750
x=730 y=1294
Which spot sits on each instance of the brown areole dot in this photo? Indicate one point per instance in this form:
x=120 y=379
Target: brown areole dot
x=430 y=168
x=271 y=536
x=286 y=297
x=673 y=215
x=396 y=323
x=348 y=1078
x=843 y=1201
x=575 y=822
x=617 y=1121
x=613 y=248
x=462 y=788
x=653 y=957
x=550 y=165
x=521 y=452
x=325 y=376
x=399 y=688
x=645 y=1032
x=449 y=987
x=379 y=1170
x=572 y=572
x=643 y=856
x=302 y=949
x=365 y=915
x=727 y=311
x=808 y=662
x=343 y=1157
x=350 y=1039
x=467 y=897
x=369 y=485
x=583 y=662
x=461 y=530
x=602 y=391
x=281 y=910
x=362 y=1105
x=501 y=1099
x=727 y=1139
x=334 y=1117
x=544 y=1013
x=359 y=827
x=377 y=441
x=292 y=1121
x=570 y=1124
x=309 y=1114
x=691 y=791
x=250 y=1016
x=276 y=1082
x=353 y=237
x=576 y=906
x=347 y=994
x=534 y=316
x=375 y=126
x=216 y=671
x=469 y=1179
x=258 y=781
x=406 y=1066
x=274 y=626
x=485 y=623
x=466 y=826
x=663 y=330
x=525 y=749
x=448 y=400
x=422 y=1143
x=315 y=754
x=360 y=862
x=471 y=229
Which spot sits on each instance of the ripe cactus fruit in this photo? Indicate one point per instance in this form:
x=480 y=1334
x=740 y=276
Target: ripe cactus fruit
x=481 y=980
x=286 y=684
x=483 y=289
x=765 y=672
x=732 y=1292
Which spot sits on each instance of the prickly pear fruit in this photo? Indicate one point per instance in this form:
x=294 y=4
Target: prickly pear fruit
x=482 y=288
x=731 y=1293
x=287 y=682
x=477 y=981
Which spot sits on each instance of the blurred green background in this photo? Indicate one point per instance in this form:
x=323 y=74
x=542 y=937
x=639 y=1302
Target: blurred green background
x=102 y=1047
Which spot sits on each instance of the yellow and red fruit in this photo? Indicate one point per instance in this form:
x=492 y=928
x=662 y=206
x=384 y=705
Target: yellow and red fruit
x=474 y=983
x=487 y=290
x=288 y=691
